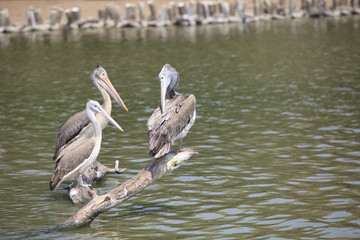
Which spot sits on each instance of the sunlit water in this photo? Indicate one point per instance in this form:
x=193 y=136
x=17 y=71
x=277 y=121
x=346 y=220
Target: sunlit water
x=277 y=129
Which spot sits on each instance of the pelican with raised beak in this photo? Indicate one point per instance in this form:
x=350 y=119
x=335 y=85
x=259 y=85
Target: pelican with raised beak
x=79 y=125
x=173 y=118
x=75 y=159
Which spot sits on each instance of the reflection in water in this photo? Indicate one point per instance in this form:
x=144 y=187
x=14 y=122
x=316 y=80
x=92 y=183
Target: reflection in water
x=277 y=129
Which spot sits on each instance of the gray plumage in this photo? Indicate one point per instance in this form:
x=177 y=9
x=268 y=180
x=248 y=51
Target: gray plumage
x=73 y=160
x=70 y=129
x=173 y=119
x=70 y=158
x=79 y=125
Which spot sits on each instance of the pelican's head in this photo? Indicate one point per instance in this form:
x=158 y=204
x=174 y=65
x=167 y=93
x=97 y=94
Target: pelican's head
x=93 y=107
x=100 y=79
x=168 y=78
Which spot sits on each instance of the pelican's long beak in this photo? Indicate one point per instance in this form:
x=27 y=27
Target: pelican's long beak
x=107 y=85
x=111 y=120
x=163 y=85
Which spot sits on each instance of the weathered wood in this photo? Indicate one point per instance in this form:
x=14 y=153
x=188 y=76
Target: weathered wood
x=129 y=188
x=152 y=10
x=6 y=25
x=212 y=9
x=142 y=19
x=96 y=172
x=240 y=10
x=291 y=6
x=75 y=12
x=281 y=8
x=55 y=18
x=172 y=12
x=73 y=17
x=38 y=16
x=181 y=8
x=256 y=7
x=130 y=12
x=31 y=19
x=112 y=16
x=191 y=9
x=130 y=17
x=185 y=17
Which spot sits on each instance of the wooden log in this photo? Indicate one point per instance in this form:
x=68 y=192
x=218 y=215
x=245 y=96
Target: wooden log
x=212 y=9
x=6 y=25
x=96 y=172
x=266 y=7
x=101 y=14
x=281 y=8
x=207 y=15
x=200 y=10
x=130 y=17
x=191 y=8
x=2 y=17
x=355 y=4
x=142 y=18
x=164 y=16
x=152 y=10
x=314 y=10
x=31 y=22
x=233 y=9
x=130 y=12
x=183 y=18
x=256 y=8
x=233 y=13
x=172 y=12
x=129 y=188
x=181 y=8
x=5 y=18
x=141 y=7
x=73 y=17
x=112 y=15
x=75 y=13
x=355 y=7
x=115 y=12
x=68 y=17
x=274 y=8
x=291 y=6
x=191 y=12
x=240 y=10
x=225 y=9
x=207 y=10
x=35 y=22
x=55 y=18
x=38 y=16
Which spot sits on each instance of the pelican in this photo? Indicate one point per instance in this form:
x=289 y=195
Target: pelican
x=78 y=126
x=173 y=118
x=75 y=159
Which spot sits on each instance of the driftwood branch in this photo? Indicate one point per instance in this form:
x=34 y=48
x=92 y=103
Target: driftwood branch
x=120 y=194
x=97 y=171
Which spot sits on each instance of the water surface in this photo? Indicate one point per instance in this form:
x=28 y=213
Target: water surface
x=277 y=129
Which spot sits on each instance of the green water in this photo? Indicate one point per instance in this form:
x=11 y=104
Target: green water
x=277 y=129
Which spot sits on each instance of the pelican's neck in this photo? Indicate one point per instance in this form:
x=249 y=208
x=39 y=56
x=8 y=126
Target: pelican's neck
x=96 y=124
x=172 y=93
x=106 y=100
x=106 y=106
